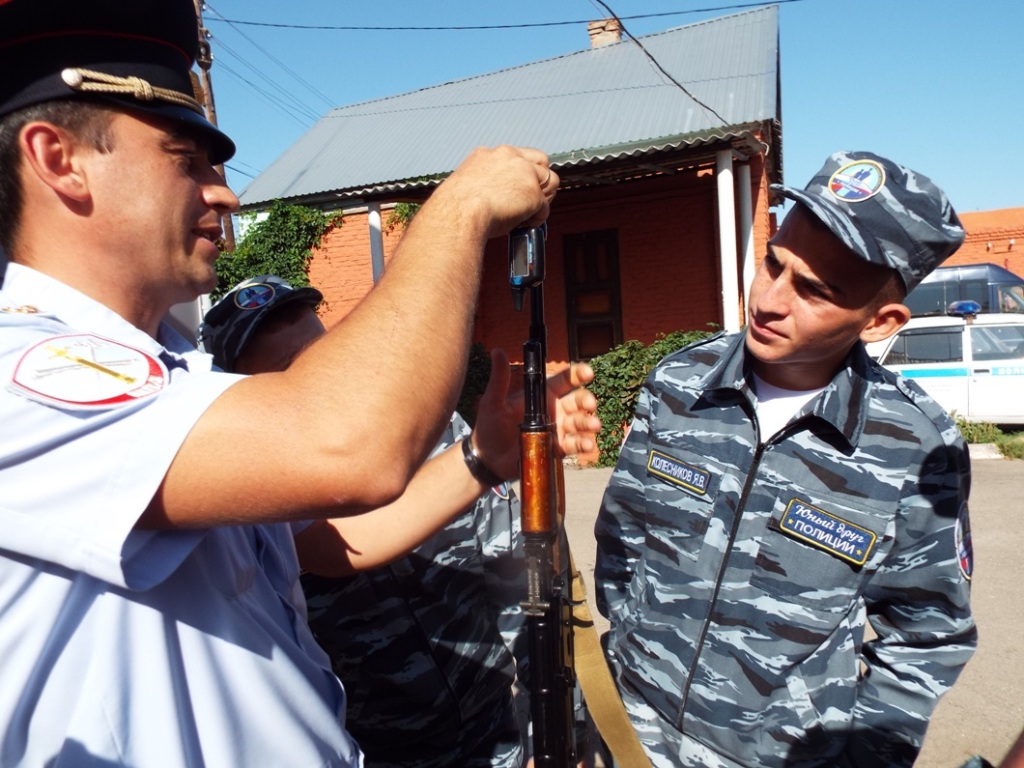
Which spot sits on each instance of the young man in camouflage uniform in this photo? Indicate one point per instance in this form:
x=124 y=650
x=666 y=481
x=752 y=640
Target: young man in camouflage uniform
x=779 y=490
x=428 y=647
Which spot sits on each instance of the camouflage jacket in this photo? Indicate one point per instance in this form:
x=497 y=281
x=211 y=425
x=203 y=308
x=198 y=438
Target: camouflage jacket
x=738 y=574
x=426 y=646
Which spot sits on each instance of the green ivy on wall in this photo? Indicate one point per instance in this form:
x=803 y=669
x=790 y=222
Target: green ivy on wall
x=619 y=375
x=280 y=244
x=401 y=215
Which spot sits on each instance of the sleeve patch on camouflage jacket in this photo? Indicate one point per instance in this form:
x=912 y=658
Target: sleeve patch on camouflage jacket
x=826 y=531
x=962 y=538
x=678 y=473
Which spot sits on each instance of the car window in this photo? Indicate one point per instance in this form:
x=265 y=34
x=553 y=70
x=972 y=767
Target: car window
x=997 y=342
x=976 y=290
x=928 y=299
x=1011 y=298
x=927 y=345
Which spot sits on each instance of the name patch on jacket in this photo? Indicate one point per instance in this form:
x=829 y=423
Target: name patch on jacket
x=678 y=472
x=826 y=531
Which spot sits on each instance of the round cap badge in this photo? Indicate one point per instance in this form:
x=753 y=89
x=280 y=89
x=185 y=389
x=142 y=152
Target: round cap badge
x=856 y=182
x=254 y=296
x=86 y=372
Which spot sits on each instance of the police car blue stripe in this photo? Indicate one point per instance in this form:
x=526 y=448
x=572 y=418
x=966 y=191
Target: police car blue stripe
x=933 y=373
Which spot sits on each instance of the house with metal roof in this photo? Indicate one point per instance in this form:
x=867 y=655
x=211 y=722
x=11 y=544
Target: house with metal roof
x=665 y=145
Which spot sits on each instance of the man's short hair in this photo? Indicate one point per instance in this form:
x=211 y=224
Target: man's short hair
x=88 y=122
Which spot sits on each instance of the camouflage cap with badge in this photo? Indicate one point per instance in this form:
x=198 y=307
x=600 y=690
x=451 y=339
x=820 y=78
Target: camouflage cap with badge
x=885 y=213
x=230 y=323
x=135 y=54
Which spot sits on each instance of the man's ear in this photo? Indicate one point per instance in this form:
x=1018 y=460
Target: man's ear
x=887 y=319
x=53 y=156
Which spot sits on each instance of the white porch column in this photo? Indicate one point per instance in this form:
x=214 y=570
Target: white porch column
x=376 y=240
x=727 y=241
x=744 y=199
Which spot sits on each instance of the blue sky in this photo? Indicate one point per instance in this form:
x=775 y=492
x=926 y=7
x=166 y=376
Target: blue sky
x=937 y=85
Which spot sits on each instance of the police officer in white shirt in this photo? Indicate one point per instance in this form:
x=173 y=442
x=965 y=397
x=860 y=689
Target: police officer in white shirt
x=150 y=613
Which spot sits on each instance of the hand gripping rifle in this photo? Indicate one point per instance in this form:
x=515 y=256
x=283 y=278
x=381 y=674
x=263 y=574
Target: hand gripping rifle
x=547 y=607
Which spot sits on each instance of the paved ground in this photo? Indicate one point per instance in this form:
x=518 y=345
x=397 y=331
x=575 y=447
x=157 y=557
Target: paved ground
x=985 y=710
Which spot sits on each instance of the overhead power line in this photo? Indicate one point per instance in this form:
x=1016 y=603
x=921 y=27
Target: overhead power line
x=472 y=27
x=301 y=80
x=297 y=111
x=656 y=63
x=239 y=170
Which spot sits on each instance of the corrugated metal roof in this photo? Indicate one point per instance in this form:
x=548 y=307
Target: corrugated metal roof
x=595 y=104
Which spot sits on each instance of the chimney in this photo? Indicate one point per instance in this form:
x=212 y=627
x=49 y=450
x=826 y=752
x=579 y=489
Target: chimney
x=604 y=32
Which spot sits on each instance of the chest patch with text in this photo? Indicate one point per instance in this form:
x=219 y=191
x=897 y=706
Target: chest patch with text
x=826 y=531
x=678 y=472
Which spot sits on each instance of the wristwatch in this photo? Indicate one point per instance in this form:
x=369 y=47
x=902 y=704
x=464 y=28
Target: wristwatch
x=480 y=471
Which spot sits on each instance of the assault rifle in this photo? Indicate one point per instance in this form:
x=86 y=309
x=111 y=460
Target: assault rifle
x=547 y=607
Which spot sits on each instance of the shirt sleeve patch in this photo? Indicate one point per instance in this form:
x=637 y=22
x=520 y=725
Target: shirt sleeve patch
x=693 y=479
x=964 y=546
x=828 y=532
x=87 y=372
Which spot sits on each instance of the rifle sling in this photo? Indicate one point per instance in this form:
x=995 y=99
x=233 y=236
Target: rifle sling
x=599 y=692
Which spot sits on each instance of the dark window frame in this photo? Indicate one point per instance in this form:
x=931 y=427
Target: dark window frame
x=589 y=246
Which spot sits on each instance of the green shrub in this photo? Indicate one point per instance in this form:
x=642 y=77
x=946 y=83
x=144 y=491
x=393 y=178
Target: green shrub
x=618 y=376
x=977 y=431
x=281 y=244
x=1011 y=445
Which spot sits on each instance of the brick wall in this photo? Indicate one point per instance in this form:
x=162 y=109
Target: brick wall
x=341 y=266
x=668 y=261
x=989 y=235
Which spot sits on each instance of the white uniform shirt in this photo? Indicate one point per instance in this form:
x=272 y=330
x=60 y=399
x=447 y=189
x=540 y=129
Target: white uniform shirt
x=123 y=647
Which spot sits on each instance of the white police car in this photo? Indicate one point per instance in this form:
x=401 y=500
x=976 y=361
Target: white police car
x=971 y=364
